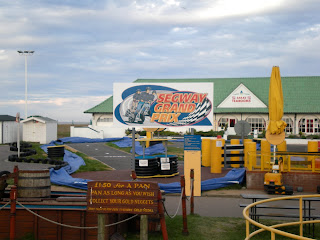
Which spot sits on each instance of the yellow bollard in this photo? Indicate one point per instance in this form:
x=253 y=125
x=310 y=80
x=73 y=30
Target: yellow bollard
x=312 y=147
x=247 y=140
x=265 y=154
x=216 y=160
x=206 y=152
x=149 y=136
x=251 y=154
x=235 y=142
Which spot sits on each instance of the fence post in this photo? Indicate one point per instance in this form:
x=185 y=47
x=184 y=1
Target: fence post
x=184 y=207
x=16 y=171
x=143 y=227
x=13 y=198
x=192 y=192
x=101 y=226
x=162 y=218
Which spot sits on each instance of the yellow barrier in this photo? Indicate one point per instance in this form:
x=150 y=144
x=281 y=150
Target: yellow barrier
x=250 y=152
x=206 y=152
x=216 y=160
x=216 y=152
x=265 y=152
x=235 y=142
x=273 y=229
x=292 y=161
x=312 y=147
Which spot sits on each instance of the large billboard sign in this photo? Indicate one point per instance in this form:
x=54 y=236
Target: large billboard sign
x=163 y=104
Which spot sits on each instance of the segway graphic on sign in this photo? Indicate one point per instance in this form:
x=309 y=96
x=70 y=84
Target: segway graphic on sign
x=163 y=105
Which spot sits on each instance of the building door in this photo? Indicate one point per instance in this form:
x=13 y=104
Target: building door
x=232 y=122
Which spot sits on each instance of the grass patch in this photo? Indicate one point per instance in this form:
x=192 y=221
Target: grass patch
x=64 y=129
x=91 y=164
x=125 y=149
x=40 y=153
x=222 y=228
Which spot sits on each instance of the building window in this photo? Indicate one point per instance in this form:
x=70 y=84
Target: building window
x=223 y=122
x=289 y=127
x=309 y=125
x=257 y=123
x=105 y=120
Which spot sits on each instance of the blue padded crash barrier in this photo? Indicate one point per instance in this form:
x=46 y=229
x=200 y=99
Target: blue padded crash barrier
x=62 y=177
x=83 y=140
x=235 y=175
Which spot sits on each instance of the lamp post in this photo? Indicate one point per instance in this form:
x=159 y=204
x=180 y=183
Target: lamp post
x=26 y=54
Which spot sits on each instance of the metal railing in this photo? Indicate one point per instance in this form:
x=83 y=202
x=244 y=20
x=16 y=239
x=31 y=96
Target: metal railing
x=273 y=229
x=309 y=162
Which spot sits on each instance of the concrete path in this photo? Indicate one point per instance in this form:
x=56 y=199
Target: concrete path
x=114 y=158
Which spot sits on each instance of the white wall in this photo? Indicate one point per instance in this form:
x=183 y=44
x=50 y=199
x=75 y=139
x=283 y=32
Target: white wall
x=34 y=132
x=9 y=132
x=85 y=132
x=51 y=131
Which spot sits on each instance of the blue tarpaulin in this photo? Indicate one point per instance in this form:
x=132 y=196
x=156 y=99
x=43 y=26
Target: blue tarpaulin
x=127 y=142
x=62 y=177
x=235 y=175
x=84 y=140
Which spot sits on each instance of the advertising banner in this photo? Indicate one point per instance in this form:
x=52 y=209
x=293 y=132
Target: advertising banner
x=163 y=104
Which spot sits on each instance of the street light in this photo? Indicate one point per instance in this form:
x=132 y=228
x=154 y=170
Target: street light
x=25 y=54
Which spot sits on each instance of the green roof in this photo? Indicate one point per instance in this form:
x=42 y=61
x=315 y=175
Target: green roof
x=4 y=118
x=105 y=107
x=300 y=94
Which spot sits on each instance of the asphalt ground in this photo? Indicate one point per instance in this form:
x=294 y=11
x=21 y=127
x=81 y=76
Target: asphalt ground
x=114 y=158
x=5 y=165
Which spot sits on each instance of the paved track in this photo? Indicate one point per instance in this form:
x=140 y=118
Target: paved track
x=114 y=158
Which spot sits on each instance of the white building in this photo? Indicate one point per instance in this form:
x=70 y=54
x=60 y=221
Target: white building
x=39 y=129
x=9 y=129
x=239 y=99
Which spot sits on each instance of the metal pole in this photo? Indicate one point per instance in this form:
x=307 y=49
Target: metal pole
x=26 y=86
x=13 y=198
x=162 y=218
x=133 y=149
x=192 y=191
x=18 y=137
x=184 y=206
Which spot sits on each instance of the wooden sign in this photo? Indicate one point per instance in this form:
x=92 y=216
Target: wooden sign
x=122 y=197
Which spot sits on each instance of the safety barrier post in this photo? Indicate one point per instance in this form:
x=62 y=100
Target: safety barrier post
x=216 y=159
x=206 y=152
x=184 y=206
x=13 y=199
x=251 y=151
x=300 y=216
x=162 y=218
x=133 y=175
x=245 y=142
x=265 y=153
x=15 y=171
x=235 y=142
x=312 y=147
x=192 y=192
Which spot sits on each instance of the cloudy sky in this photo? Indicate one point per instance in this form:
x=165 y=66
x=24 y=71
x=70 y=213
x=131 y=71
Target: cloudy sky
x=83 y=46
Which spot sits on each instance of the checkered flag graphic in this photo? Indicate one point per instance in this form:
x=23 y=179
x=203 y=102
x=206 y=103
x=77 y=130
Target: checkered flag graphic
x=202 y=110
